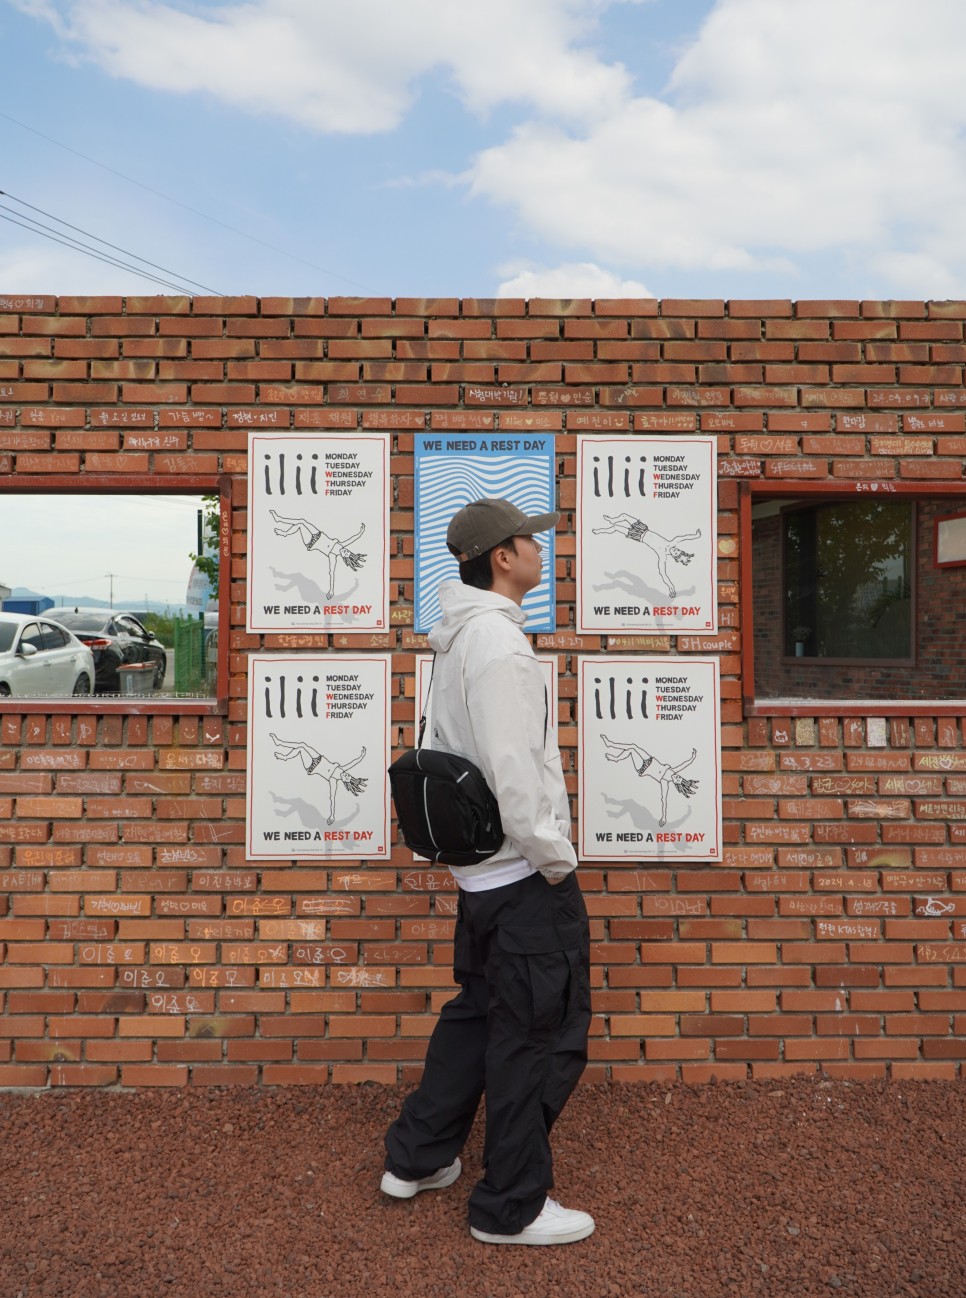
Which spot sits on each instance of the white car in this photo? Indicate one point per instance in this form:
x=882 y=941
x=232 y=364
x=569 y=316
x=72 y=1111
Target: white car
x=41 y=659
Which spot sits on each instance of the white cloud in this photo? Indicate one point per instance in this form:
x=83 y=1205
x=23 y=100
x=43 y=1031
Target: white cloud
x=788 y=134
x=787 y=130
x=348 y=67
x=920 y=275
x=570 y=280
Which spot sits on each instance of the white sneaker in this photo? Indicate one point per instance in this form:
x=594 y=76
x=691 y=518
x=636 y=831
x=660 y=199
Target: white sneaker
x=400 y=1189
x=555 y=1225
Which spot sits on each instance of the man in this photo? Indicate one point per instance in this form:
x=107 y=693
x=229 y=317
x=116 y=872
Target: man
x=517 y=1031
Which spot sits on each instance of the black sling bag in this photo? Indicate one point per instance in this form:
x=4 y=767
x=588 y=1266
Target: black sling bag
x=445 y=808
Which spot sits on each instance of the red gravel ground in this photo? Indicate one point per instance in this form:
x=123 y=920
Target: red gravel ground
x=799 y=1187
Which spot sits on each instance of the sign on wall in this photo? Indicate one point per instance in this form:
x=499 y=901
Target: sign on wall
x=451 y=470
x=649 y=759
x=318 y=749
x=318 y=532
x=646 y=534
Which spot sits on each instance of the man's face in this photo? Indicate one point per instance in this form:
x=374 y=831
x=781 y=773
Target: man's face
x=528 y=562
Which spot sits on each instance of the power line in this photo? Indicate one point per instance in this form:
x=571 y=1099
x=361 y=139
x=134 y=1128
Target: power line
x=107 y=244
x=177 y=203
x=97 y=576
x=76 y=246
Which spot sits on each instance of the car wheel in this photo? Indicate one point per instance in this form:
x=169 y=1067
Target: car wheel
x=4 y=690
x=159 y=670
x=83 y=684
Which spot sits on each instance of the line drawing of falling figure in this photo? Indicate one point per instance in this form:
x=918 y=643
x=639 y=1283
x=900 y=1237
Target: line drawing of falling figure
x=662 y=547
x=646 y=764
x=334 y=773
x=313 y=538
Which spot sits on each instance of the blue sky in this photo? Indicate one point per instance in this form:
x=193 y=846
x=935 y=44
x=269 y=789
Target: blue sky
x=676 y=148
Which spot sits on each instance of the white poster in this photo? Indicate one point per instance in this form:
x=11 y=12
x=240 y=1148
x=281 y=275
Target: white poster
x=318 y=532
x=646 y=534
x=318 y=751
x=649 y=759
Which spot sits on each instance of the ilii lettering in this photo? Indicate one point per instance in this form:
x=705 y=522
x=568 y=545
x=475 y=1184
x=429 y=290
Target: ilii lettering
x=609 y=490
x=275 y=467
x=619 y=697
x=282 y=703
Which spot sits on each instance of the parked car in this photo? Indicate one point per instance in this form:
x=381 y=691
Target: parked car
x=116 y=640
x=39 y=658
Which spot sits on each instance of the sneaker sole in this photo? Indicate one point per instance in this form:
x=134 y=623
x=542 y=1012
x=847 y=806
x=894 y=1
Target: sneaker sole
x=396 y=1188
x=535 y=1239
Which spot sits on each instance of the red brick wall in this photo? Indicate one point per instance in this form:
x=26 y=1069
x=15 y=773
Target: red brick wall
x=134 y=935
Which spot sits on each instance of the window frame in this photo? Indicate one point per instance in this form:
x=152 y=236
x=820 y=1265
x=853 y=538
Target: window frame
x=749 y=493
x=133 y=485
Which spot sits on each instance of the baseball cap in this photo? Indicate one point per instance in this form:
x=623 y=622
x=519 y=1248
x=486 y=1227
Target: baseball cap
x=482 y=524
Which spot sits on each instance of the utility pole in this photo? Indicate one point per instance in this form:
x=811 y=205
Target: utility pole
x=112 y=575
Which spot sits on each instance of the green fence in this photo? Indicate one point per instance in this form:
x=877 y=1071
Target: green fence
x=189 y=656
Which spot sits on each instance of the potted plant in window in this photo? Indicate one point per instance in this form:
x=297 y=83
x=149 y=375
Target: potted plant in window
x=800 y=635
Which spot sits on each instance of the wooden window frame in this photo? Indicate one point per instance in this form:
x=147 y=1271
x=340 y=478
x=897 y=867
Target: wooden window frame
x=749 y=493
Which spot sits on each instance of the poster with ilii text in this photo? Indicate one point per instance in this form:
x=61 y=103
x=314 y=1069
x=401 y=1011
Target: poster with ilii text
x=318 y=749
x=646 y=534
x=318 y=532
x=649 y=759
x=454 y=469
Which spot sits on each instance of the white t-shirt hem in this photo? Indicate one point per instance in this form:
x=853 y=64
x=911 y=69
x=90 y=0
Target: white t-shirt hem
x=506 y=872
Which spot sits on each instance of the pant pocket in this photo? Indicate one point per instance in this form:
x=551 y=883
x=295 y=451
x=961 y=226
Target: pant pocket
x=537 y=973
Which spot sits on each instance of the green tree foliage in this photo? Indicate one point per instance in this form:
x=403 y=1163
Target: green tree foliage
x=161 y=625
x=848 y=579
x=209 y=562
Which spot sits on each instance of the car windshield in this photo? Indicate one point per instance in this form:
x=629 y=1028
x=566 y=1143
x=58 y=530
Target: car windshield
x=7 y=632
x=80 y=621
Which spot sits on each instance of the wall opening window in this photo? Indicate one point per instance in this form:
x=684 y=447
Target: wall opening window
x=101 y=596
x=847 y=574
x=843 y=600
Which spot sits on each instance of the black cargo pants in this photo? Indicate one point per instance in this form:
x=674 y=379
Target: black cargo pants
x=517 y=1031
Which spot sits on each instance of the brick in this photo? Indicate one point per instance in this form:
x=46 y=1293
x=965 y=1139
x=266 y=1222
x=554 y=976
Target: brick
x=743 y=953
x=83 y=1075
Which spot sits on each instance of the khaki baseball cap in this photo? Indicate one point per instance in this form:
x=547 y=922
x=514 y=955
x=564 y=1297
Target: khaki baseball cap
x=482 y=524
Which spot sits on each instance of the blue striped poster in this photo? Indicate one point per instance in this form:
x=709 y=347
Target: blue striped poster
x=453 y=469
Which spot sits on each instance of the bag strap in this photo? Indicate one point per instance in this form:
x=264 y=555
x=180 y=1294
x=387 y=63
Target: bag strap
x=422 y=719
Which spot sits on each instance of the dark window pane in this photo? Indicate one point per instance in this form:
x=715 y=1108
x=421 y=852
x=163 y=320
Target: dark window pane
x=848 y=580
x=55 y=637
x=32 y=634
x=80 y=621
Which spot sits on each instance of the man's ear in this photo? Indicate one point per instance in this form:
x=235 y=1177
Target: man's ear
x=499 y=560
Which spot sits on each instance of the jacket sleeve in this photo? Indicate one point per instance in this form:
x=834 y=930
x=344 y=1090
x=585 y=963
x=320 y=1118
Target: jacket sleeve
x=507 y=707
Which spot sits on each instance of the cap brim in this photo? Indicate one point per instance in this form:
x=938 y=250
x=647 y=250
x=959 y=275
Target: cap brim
x=538 y=523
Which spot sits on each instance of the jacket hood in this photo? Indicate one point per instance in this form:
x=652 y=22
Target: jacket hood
x=460 y=603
